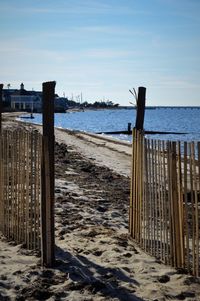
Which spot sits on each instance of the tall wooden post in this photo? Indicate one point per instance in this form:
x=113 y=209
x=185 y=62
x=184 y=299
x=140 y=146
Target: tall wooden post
x=47 y=176
x=139 y=124
x=1 y=174
x=1 y=104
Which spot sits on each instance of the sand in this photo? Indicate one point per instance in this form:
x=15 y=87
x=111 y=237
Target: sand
x=95 y=259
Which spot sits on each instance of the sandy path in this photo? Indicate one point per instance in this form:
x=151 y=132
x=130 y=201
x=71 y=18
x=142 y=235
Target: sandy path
x=115 y=155
x=104 y=151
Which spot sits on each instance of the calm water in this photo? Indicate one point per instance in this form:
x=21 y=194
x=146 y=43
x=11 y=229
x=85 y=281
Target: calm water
x=160 y=119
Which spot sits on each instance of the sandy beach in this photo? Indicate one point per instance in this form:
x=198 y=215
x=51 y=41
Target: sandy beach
x=95 y=258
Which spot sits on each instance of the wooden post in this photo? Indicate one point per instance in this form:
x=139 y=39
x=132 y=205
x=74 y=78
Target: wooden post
x=1 y=104
x=140 y=108
x=129 y=128
x=47 y=176
x=1 y=165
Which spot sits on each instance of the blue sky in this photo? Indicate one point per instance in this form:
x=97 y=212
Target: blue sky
x=104 y=48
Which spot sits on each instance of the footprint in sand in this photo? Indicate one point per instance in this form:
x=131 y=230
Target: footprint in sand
x=97 y=253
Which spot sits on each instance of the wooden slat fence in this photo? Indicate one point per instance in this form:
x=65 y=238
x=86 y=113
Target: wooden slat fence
x=20 y=192
x=165 y=200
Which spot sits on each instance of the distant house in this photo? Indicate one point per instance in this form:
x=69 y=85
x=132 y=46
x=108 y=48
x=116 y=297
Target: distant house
x=29 y=101
x=23 y=100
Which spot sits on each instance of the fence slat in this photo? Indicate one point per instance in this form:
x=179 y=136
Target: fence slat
x=180 y=203
x=160 y=195
x=196 y=223
x=191 y=215
x=150 y=194
x=131 y=190
x=146 y=192
x=198 y=213
x=186 y=206
x=151 y=198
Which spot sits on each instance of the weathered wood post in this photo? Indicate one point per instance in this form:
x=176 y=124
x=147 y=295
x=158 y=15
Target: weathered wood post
x=139 y=124
x=47 y=176
x=1 y=104
x=1 y=174
x=129 y=127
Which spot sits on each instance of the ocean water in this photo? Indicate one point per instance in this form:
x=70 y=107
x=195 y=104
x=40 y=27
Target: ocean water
x=184 y=120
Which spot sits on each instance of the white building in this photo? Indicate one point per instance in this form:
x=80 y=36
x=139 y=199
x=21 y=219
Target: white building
x=26 y=102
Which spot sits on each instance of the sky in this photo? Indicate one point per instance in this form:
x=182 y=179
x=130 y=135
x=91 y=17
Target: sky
x=103 y=48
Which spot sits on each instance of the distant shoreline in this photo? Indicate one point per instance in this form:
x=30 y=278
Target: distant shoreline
x=17 y=114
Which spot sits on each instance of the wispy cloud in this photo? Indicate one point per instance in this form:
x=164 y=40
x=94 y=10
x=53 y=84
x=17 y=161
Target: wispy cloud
x=74 y=7
x=59 y=7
